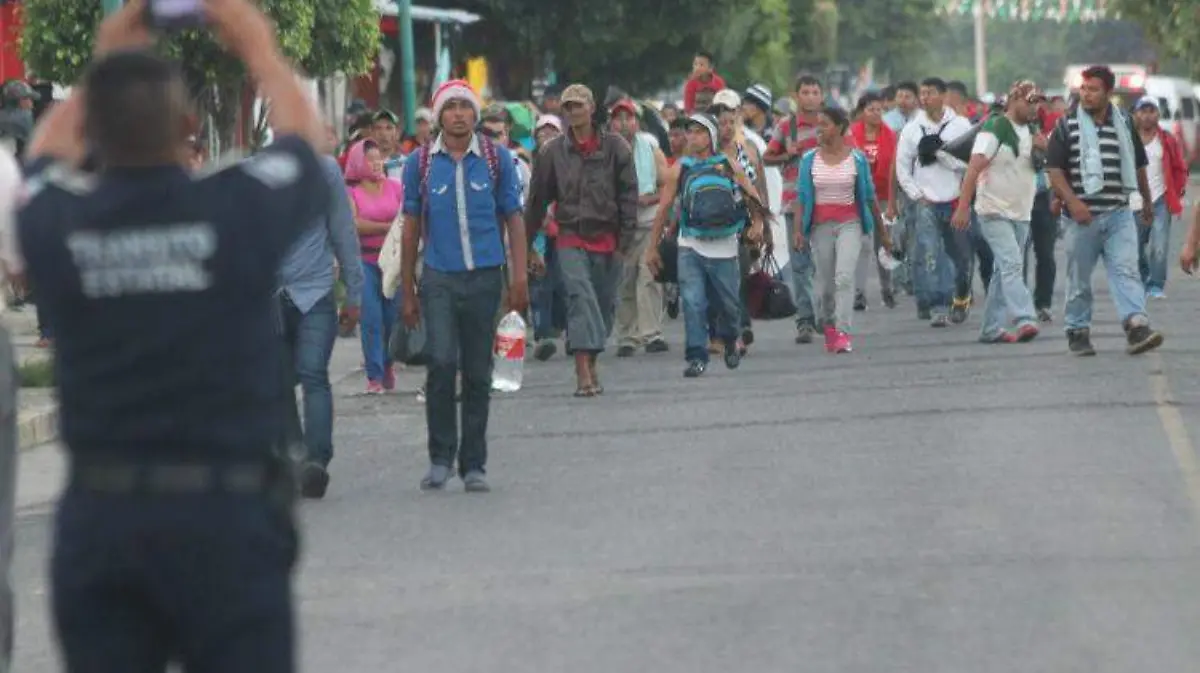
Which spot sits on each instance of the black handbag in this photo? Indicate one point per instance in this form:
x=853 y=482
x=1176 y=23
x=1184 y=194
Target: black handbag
x=409 y=345
x=668 y=254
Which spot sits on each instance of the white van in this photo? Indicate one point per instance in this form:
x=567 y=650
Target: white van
x=1180 y=110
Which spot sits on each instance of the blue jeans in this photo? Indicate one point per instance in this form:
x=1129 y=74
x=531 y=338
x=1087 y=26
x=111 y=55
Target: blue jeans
x=1154 y=244
x=1112 y=235
x=933 y=269
x=459 y=310
x=801 y=276
x=379 y=315
x=310 y=337
x=698 y=276
x=548 y=305
x=1008 y=298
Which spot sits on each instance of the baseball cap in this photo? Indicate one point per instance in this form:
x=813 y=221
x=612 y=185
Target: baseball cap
x=706 y=120
x=424 y=114
x=727 y=98
x=386 y=115
x=624 y=104
x=1148 y=101
x=548 y=120
x=495 y=113
x=577 y=93
x=20 y=90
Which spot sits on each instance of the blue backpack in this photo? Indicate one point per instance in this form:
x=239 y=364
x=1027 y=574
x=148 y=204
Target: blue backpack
x=711 y=203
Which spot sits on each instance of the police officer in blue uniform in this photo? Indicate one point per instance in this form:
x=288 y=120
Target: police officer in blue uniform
x=174 y=540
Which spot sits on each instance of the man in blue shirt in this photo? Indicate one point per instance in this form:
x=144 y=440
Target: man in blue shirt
x=310 y=322
x=175 y=538
x=457 y=192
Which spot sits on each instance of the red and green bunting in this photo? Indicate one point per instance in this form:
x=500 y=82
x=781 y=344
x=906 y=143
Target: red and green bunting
x=1032 y=10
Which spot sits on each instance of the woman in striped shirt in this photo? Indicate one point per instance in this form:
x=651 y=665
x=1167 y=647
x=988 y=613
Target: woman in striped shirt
x=375 y=201
x=838 y=208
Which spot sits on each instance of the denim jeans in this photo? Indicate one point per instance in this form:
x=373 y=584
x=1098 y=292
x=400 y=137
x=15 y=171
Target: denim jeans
x=1154 y=244
x=1043 y=236
x=547 y=305
x=932 y=265
x=698 y=276
x=1112 y=235
x=310 y=337
x=459 y=310
x=801 y=276
x=378 y=316
x=1008 y=299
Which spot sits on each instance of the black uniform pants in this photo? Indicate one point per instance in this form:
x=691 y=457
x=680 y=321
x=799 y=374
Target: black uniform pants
x=202 y=579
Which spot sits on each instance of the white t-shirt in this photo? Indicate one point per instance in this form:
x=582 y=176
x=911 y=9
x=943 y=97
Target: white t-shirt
x=1008 y=185
x=711 y=248
x=1154 y=174
x=10 y=190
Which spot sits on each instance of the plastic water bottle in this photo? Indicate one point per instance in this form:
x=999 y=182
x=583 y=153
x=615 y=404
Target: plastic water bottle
x=508 y=354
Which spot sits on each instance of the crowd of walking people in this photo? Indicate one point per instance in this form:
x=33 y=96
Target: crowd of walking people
x=736 y=207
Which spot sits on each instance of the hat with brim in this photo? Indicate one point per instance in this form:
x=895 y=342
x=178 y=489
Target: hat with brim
x=709 y=124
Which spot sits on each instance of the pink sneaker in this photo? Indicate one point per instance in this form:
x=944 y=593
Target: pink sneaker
x=389 y=378
x=1027 y=332
x=842 y=343
x=374 y=388
x=831 y=335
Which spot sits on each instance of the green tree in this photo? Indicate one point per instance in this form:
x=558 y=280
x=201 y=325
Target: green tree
x=754 y=44
x=898 y=34
x=1173 y=25
x=57 y=41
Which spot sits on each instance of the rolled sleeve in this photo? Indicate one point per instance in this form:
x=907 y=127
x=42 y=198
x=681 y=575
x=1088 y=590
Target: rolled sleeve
x=508 y=198
x=412 y=184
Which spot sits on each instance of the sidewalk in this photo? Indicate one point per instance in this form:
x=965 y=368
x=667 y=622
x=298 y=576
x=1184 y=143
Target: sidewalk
x=37 y=408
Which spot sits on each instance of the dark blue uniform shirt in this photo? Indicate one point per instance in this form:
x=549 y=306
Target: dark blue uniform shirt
x=159 y=286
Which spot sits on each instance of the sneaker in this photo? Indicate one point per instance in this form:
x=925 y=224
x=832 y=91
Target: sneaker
x=1026 y=332
x=374 y=388
x=924 y=314
x=733 y=355
x=805 y=333
x=1001 y=337
x=421 y=395
x=741 y=348
x=389 y=378
x=694 y=369
x=860 y=301
x=657 y=346
x=626 y=351
x=1079 y=342
x=475 y=482
x=544 y=350
x=939 y=320
x=889 y=300
x=960 y=310
x=1156 y=294
x=748 y=336
x=843 y=343
x=314 y=481
x=830 y=339
x=1044 y=315
x=1142 y=339
x=436 y=478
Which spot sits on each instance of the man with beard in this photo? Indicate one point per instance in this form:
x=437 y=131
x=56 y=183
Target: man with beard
x=639 y=296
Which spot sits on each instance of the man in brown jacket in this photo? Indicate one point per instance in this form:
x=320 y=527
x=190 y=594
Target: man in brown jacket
x=589 y=173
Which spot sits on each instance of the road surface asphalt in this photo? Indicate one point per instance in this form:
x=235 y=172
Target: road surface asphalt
x=925 y=504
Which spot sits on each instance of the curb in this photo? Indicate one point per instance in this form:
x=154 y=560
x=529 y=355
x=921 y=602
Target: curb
x=37 y=427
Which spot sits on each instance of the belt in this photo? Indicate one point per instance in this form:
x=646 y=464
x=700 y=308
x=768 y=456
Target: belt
x=174 y=479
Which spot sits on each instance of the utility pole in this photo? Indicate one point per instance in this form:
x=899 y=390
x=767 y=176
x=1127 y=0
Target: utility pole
x=408 y=73
x=981 y=83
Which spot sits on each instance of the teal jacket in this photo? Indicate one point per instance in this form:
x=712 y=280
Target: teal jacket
x=864 y=191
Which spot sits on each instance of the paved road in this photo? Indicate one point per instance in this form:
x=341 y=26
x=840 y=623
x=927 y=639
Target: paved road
x=927 y=504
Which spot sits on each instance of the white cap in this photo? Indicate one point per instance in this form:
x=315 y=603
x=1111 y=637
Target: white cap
x=727 y=98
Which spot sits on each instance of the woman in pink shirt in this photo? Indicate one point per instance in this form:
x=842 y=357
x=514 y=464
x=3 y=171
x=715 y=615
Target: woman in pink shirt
x=376 y=202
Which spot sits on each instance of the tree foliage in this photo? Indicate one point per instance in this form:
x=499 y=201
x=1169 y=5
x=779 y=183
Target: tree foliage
x=898 y=34
x=754 y=45
x=1173 y=25
x=345 y=38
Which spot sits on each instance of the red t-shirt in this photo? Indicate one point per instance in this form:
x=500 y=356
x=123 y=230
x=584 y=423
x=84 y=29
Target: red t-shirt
x=881 y=154
x=693 y=85
x=805 y=138
x=603 y=244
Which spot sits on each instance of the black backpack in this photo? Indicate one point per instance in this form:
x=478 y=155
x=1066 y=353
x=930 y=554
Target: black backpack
x=929 y=144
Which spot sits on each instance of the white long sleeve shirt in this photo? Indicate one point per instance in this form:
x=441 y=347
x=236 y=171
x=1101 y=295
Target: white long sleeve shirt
x=940 y=182
x=10 y=191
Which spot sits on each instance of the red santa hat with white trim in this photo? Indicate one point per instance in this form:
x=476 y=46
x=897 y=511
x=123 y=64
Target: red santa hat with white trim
x=455 y=88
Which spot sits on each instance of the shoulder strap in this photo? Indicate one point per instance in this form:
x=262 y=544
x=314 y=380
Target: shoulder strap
x=492 y=157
